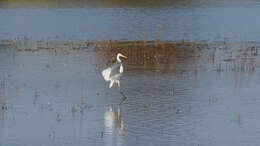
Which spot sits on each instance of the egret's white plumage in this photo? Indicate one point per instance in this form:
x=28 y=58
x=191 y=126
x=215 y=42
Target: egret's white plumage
x=114 y=72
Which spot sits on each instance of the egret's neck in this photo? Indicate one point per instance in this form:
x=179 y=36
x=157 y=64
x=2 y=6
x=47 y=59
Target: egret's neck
x=121 y=69
x=118 y=59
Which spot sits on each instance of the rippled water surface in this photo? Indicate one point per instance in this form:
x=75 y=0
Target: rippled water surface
x=167 y=20
x=177 y=94
x=191 y=77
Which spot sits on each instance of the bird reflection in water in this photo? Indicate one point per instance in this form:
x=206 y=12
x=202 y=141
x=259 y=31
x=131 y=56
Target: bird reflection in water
x=114 y=123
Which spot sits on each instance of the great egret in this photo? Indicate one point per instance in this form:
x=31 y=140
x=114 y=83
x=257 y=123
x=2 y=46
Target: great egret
x=114 y=72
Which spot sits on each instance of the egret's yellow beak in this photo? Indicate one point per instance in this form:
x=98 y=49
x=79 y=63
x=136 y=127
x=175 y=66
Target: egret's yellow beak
x=124 y=56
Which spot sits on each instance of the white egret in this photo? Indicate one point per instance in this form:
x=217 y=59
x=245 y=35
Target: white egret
x=114 y=72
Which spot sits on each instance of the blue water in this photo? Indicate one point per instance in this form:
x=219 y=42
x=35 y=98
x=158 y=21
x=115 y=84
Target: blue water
x=186 y=95
x=58 y=97
x=202 y=21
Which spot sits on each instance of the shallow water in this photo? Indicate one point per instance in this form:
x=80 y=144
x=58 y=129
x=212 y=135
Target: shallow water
x=185 y=93
x=177 y=94
x=209 y=20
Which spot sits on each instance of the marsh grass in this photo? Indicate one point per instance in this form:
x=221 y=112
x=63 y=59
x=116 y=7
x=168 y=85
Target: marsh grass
x=158 y=54
x=4 y=97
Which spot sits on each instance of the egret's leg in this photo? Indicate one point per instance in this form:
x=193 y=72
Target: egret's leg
x=111 y=83
x=118 y=83
x=123 y=97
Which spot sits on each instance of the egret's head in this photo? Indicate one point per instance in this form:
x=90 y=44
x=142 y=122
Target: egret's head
x=120 y=55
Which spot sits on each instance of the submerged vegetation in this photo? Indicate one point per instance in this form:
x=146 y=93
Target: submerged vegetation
x=163 y=55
